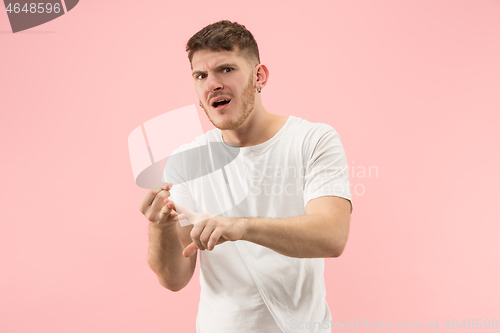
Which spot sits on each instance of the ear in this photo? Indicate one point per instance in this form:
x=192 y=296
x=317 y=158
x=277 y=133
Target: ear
x=262 y=74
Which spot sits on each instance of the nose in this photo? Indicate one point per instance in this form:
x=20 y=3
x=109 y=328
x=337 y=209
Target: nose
x=213 y=84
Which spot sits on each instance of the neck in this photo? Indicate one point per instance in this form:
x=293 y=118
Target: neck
x=259 y=127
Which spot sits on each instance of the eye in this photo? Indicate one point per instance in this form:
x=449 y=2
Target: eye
x=224 y=70
x=200 y=76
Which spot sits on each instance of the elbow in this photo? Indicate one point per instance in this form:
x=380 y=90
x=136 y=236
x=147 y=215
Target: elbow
x=339 y=242
x=174 y=286
x=171 y=287
x=336 y=253
x=337 y=250
x=175 y=289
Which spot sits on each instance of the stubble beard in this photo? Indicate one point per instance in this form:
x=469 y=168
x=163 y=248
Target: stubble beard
x=248 y=104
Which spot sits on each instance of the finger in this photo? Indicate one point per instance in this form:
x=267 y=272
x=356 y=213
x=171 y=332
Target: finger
x=206 y=234
x=179 y=216
x=187 y=213
x=148 y=200
x=195 y=235
x=189 y=250
x=159 y=201
x=164 y=213
x=214 y=239
x=166 y=186
x=169 y=204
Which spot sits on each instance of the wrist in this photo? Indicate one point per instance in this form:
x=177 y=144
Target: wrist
x=163 y=226
x=247 y=227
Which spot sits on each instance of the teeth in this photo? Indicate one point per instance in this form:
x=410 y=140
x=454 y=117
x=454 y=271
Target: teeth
x=222 y=100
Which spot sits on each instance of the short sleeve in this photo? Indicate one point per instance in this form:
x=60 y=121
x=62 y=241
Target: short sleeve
x=174 y=172
x=326 y=171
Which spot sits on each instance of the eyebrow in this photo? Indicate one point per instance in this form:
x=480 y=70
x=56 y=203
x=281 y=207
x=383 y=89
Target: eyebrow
x=221 y=66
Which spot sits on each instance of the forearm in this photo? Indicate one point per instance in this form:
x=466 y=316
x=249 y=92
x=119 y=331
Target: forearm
x=306 y=236
x=165 y=258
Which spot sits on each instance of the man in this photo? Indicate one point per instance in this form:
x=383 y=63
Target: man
x=261 y=256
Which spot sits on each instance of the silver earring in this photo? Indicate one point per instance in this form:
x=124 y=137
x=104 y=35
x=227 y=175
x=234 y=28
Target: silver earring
x=259 y=90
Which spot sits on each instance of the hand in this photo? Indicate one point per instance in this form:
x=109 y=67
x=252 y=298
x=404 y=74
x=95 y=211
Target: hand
x=210 y=230
x=158 y=209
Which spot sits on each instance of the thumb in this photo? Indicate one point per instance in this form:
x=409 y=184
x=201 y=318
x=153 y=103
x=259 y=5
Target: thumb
x=175 y=215
x=191 y=216
x=190 y=250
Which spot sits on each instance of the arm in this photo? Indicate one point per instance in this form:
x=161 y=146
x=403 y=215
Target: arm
x=321 y=233
x=166 y=245
x=167 y=240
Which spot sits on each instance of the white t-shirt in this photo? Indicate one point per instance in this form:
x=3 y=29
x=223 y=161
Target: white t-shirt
x=246 y=287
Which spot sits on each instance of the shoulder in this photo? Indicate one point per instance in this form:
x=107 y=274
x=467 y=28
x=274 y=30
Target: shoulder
x=309 y=129
x=310 y=134
x=199 y=141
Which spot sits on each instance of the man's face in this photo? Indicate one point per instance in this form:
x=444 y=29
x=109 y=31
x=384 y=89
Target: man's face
x=220 y=77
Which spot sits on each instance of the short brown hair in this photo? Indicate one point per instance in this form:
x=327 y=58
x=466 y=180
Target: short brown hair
x=224 y=35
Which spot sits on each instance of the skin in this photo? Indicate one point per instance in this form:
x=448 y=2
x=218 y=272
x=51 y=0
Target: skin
x=321 y=232
x=244 y=122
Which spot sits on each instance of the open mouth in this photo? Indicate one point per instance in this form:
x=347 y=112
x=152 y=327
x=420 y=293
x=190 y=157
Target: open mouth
x=220 y=104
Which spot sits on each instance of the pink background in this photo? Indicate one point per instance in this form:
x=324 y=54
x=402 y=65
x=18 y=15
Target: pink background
x=411 y=86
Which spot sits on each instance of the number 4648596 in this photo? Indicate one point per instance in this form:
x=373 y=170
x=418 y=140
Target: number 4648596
x=34 y=8
x=471 y=324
